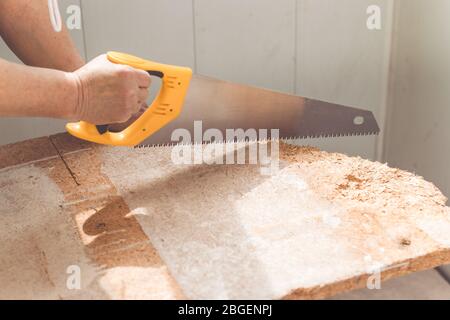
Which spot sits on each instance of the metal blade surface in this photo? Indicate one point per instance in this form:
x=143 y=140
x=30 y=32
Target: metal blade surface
x=224 y=105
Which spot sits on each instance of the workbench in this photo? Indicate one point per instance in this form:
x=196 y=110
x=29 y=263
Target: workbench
x=133 y=225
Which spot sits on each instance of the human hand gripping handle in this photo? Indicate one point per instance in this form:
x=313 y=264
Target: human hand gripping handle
x=102 y=105
x=108 y=92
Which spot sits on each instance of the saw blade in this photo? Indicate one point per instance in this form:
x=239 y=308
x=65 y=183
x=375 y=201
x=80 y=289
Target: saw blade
x=222 y=105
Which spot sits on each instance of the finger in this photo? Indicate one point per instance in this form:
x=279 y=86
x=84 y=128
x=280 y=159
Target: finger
x=143 y=95
x=138 y=114
x=144 y=107
x=144 y=80
x=118 y=127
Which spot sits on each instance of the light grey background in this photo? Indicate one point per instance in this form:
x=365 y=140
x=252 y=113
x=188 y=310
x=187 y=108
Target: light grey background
x=419 y=127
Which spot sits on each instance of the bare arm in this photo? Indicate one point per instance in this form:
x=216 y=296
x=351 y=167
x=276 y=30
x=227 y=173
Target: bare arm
x=35 y=92
x=99 y=92
x=25 y=26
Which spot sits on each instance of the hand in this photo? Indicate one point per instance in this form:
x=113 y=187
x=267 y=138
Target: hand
x=119 y=127
x=109 y=93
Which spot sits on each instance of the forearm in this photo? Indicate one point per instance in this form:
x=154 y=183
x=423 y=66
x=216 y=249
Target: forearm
x=36 y=92
x=25 y=26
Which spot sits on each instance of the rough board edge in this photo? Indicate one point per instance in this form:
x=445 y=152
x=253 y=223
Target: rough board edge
x=423 y=263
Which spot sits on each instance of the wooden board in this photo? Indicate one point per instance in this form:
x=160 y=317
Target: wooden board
x=138 y=226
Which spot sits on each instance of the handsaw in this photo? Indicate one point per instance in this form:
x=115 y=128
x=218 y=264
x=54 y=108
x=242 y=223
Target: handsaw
x=185 y=99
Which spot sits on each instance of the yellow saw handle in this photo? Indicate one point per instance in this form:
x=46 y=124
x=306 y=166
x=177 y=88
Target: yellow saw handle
x=165 y=108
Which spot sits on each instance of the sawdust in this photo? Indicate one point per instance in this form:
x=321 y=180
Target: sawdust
x=339 y=177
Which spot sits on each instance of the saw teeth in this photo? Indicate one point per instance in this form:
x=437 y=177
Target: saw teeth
x=291 y=139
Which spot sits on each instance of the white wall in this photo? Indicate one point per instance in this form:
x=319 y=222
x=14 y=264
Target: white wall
x=418 y=137
x=317 y=48
x=340 y=60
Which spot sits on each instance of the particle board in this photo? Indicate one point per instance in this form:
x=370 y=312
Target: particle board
x=139 y=226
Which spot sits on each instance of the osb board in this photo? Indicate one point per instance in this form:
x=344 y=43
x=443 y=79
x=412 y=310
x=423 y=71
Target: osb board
x=139 y=226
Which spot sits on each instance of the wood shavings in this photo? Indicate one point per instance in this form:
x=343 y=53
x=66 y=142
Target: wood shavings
x=342 y=178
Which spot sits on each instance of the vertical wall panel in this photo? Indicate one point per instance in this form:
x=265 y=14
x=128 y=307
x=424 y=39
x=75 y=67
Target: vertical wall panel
x=161 y=30
x=12 y=129
x=340 y=60
x=251 y=42
x=419 y=133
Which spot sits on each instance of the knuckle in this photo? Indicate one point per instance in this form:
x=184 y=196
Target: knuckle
x=131 y=95
x=148 y=79
x=124 y=72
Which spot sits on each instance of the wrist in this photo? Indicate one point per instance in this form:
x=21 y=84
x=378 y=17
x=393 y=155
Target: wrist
x=76 y=97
